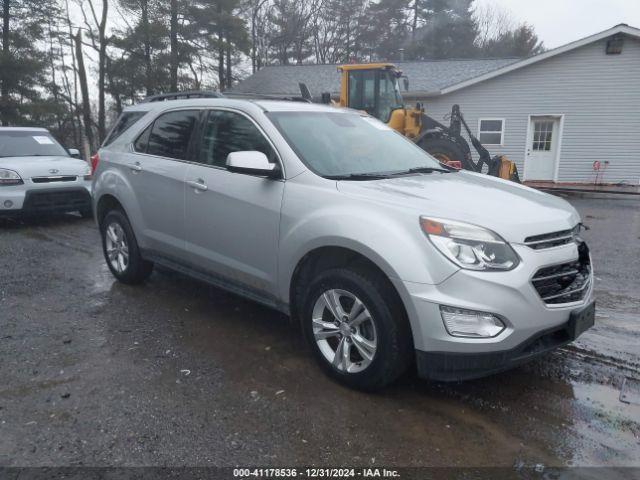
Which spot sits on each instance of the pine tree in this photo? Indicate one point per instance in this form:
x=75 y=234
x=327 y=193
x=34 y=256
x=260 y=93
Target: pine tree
x=449 y=31
x=389 y=28
x=23 y=64
x=520 y=42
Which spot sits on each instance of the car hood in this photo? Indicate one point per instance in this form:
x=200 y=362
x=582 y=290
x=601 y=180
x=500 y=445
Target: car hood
x=512 y=210
x=28 y=167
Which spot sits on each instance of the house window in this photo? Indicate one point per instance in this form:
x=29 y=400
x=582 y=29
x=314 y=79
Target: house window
x=491 y=131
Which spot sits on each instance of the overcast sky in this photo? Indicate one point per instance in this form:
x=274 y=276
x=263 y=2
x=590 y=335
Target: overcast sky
x=561 y=21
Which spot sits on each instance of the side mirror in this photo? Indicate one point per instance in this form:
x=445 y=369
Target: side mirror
x=74 y=152
x=252 y=163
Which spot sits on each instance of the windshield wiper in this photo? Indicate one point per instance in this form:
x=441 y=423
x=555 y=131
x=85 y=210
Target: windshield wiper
x=358 y=176
x=423 y=170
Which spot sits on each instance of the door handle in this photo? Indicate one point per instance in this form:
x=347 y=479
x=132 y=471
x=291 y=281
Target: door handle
x=135 y=167
x=198 y=184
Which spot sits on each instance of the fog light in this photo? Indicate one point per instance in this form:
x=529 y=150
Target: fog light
x=460 y=322
x=8 y=204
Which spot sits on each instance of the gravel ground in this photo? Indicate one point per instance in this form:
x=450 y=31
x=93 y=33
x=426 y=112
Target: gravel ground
x=178 y=373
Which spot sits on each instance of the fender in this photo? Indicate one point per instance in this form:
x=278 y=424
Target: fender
x=110 y=181
x=383 y=239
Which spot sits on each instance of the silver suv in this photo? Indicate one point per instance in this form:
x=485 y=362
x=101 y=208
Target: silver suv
x=384 y=256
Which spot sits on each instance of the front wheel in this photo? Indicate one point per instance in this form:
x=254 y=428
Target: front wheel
x=121 y=249
x=357 y=329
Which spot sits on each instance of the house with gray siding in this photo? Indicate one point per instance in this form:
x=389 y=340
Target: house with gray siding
x=568 y=115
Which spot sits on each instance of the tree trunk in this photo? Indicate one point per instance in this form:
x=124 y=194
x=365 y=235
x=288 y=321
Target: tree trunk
x=102 y=58
x=174 y=46
x=221 y=82
x=4 y=71
x=114 y=94
x=52 y=65
x=84 y=89
x=148 y=81
x=253 y=40
x=414 y=25
x=229 y=77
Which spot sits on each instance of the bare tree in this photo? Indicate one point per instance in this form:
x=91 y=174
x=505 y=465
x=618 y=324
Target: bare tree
x=6 y=19
x=173 y=33
x=99 y=44
x=493 y=21
x=84 y=89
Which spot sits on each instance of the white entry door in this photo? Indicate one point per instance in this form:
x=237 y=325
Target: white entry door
x=542 y=148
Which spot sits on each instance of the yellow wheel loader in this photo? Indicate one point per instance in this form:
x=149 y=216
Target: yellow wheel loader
x=374 y=88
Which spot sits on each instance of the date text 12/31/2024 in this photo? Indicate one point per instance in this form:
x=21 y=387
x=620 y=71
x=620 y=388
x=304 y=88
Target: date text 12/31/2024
x=315 y=473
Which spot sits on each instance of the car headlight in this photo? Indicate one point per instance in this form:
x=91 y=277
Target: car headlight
x=9 y=177
x=469 y=246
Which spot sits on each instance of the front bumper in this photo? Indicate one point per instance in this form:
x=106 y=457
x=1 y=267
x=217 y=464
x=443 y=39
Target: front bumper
x=24 y=199
x=511 y=296
x=447 y=366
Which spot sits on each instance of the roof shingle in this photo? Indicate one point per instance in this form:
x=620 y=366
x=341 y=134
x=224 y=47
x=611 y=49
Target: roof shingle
x=424 y=77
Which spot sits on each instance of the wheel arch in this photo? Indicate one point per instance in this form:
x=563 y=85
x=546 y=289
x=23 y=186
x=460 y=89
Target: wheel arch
x=326 y=257
x=105 y=204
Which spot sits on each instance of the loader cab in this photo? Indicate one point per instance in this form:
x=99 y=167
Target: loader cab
x=371 y=87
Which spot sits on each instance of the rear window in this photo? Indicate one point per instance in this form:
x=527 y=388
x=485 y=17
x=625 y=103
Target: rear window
x=122 y=124
x=14 y=143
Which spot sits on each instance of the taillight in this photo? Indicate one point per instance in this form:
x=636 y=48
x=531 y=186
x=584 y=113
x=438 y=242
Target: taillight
x=94 y=162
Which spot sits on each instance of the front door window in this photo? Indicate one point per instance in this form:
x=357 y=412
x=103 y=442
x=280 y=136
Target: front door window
x=227 y=132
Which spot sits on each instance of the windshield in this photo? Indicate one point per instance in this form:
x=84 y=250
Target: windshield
x=15 y=143
x=342 y=144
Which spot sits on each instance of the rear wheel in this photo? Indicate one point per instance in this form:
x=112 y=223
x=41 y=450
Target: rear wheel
x=121 y=249
x=357 y=329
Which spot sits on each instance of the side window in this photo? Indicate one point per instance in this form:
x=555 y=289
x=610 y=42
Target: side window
x=142 y=142
x=227 y=132
x=171 y=133
x=122 y=124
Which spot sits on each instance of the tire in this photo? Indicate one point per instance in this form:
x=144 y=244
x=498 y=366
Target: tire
x=385 y=326
x=135 y=269
x=443 y=150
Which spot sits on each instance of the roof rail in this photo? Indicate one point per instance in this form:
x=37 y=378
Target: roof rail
x=266 y=96
x=183 y=95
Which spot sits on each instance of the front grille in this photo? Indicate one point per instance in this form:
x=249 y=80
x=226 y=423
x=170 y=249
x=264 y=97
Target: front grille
x=60 y=200
x=65 y=178
x=553 y=239
x=567 y=282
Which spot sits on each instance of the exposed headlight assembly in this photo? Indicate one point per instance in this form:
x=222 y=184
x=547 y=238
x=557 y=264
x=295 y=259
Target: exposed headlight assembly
x=9 y=177
x=470 y=246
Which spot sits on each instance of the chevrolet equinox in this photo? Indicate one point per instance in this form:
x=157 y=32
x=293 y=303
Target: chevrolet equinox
x=384 y=256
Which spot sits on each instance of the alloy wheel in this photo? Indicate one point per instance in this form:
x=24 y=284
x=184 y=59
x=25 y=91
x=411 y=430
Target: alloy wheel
x=344 y=330
x=117 y=247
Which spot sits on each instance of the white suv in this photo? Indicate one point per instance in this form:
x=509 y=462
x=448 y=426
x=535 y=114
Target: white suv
x=37 y=175
x=383 y=255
